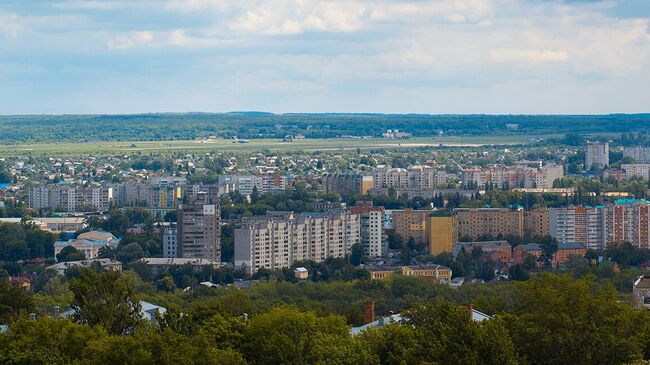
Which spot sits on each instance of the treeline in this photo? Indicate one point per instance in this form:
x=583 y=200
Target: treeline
x=551 y=319
x=155 y=127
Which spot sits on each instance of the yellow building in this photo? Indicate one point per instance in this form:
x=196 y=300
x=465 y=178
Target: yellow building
x=443 y=233
x=435 y=273
x=367 y=183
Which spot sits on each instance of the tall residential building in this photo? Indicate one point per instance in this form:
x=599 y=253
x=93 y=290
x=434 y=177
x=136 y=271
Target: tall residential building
x=264 y=183
x=584 y=225
x=415 y=178
x=536 y=223
x=71 y=198
x=132 y=193
x=639 y=154
x=443 y=232
x=373 y=237
x=410 y=223
x=628 y=220
x=170 y=243
x=199 y=230
x=478 y=223
x=596 y=154
x=641 y=170
x=279 y=239
x=346 y=184
x=505 y=177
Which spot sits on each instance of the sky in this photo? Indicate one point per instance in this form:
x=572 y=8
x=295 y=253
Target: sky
x=379 y=56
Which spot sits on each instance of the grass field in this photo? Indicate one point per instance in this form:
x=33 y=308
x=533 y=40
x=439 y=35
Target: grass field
x=103 y=148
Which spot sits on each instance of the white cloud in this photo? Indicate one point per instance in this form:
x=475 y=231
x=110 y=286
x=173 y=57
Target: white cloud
x=11 y=25
x=130 y=40
x=504 y=55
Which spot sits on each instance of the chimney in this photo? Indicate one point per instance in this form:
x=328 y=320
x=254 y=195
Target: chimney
x=368 y=312
x=470 y=309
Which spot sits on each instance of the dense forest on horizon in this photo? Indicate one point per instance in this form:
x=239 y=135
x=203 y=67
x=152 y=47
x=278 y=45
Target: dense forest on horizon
x=184 y=126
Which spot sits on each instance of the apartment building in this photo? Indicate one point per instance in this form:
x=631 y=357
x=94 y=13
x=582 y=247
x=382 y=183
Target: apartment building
x=198 y=229
x=641 y=170
x=415 y=178
x=584 y=225
x=628 y=220
x=170 y=243
x=641 y=155
x=70 y=198
x=475 y=223
x=504 y=177
x=373 y=238
x=443 y=232
x=279 y=239
x=132 y=193
x=413 y=224
x=347 y=184
x=596 y=154
x=536 y=222
x=264 y=183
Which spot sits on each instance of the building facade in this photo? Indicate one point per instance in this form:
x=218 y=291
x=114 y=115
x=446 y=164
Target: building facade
x=199 y=230
x=279 y=239
x=596 y=155
x=373 y=238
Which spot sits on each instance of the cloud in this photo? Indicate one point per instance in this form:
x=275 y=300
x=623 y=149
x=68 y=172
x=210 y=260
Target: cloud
x=10 y=24
x=130 y=40
x=503 y=55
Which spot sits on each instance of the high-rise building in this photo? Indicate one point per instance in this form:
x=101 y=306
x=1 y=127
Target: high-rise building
x=71 y=198
x=628 y=220
x=279 y=239
x=170 y=243
x=584 y=225
x=505 y=177
x=443 y=232
x=199 y=230
x=639 y=154
x=536 y=223
x=480 y=223
x=596 y=154
x=641 y=170
x=410 y=223
x=373 y=238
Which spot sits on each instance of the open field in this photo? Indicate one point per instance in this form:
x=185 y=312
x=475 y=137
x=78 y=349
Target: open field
x=147 y=147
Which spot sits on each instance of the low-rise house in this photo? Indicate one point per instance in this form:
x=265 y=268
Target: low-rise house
x=560 y=257
x=21 y=281
x=641 y=292
x=301 y=273
x=105 y=264
x=160 y=265
x=89 y=243
x=498 y=251
x=435 y=273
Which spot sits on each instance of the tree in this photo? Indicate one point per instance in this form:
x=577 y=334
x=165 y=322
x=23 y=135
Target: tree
x=446 y=334
x=105 y=299
x=130 y=252
x=70 y=253
x=13 y=300
x=357 y=254
x=558 y=320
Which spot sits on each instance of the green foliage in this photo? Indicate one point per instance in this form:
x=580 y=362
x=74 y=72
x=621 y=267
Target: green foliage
x=70 y=253
x=105 y=299
x=13 y=300
x=561 y=321
x=23 y=242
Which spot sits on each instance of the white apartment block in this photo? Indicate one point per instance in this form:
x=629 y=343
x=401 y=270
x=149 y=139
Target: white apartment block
x=71 y=198
x=279 y=239
x=640 y=154
x=596 y=154
x=641 y=170
x=585 y=225
x=170 y=243
x=503 y=177
x=245 y=184
x=417 y=177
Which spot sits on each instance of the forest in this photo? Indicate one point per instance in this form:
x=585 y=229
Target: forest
x=188 y=126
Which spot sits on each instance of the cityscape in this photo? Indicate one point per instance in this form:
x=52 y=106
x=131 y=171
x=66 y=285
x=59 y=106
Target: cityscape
x=325 y=182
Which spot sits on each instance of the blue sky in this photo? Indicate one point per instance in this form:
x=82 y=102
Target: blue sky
x=385 y=56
